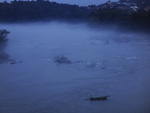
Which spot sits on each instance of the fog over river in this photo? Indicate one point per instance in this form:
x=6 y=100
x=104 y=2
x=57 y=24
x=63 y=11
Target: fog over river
x=83 y=2
x=104 y=60
x=77 y=2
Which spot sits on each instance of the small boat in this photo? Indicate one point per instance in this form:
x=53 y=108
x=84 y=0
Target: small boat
x=101 y=98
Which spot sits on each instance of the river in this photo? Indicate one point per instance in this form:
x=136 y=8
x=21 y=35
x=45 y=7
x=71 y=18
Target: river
x=83 y=2
x=105 y=60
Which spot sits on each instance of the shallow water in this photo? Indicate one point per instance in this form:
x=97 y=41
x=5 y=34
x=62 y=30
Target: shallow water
x=105 y=61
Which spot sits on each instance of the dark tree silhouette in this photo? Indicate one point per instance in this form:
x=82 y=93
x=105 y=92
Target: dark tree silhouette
x=38 y=10
x=45 y=10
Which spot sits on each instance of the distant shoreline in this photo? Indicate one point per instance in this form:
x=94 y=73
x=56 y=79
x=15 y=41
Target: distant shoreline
x=41 y=10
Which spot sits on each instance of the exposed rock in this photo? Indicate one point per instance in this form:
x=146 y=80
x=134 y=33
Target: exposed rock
x=62 y=60
x=3 y=34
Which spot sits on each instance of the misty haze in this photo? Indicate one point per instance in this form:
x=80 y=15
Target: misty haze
x=79 y=2
x=69 y=64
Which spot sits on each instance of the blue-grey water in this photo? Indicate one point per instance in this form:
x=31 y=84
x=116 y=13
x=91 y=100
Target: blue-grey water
x=105 y=61
x=83 y=2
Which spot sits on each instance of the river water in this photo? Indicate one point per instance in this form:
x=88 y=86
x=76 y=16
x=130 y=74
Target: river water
x=80 y=2
x=105 y=60
x=83 y=2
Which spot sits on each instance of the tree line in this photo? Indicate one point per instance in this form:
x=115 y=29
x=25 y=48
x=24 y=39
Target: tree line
x=46 y=10
x=38 y=10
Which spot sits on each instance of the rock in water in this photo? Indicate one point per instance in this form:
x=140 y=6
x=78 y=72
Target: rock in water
x=3 y=34
x=62 y=60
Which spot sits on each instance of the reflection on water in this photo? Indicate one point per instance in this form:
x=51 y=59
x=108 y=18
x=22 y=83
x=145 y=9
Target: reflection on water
x=4 y=57
x=64 y=64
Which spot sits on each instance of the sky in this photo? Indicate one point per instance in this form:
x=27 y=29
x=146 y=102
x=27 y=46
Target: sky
x=78 y=2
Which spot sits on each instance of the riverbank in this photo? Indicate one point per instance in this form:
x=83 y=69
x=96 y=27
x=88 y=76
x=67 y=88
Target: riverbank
x=109 y=12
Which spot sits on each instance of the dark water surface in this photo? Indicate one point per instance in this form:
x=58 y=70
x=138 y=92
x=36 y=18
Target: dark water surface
x=105 y=61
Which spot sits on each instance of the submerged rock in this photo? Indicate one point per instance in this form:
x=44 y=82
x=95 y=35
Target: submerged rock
x=13 y=61
x=92 y=64
x=3 y=57
x=62 y=60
